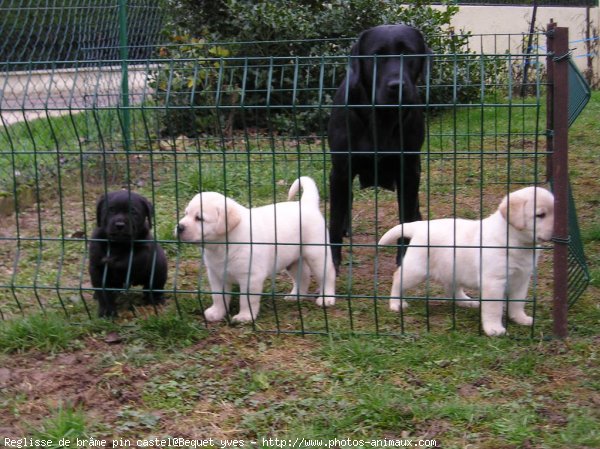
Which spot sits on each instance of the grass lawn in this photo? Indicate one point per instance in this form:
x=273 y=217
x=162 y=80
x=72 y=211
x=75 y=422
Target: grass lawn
x=169 y=375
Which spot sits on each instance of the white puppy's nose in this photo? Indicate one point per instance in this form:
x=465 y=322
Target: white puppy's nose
x=178 y=229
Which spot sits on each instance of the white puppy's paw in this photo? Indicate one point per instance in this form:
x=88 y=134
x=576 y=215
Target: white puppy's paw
x=494 y=330
x=291 y=297
x=325 y=302
x=396 y=305
x=242 y=318
x=473 y=304
x=214 y=314
x=523 y=319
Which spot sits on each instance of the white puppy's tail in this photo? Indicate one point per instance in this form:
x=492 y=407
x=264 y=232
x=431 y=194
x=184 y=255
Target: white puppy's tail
x=406 y=230
x=310 y=192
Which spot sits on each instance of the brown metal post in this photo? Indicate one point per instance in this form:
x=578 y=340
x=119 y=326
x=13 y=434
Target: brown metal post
x=558 y=45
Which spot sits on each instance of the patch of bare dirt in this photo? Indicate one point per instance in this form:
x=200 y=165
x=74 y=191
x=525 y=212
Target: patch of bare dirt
x=41 y=383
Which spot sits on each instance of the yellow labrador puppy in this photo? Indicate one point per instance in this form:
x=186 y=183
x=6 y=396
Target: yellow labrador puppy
x=496 y=256
x=247 y=246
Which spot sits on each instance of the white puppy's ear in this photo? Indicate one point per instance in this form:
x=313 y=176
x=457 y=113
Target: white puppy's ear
x=512 y=209
x=228 y=217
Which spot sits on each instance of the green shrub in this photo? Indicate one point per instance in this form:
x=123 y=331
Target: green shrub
x=214 y=88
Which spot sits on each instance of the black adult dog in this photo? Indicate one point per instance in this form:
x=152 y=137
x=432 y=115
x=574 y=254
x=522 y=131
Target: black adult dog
x=122 y=250
x=380 y=141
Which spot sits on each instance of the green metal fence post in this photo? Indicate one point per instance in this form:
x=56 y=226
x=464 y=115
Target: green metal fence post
x=124 y=55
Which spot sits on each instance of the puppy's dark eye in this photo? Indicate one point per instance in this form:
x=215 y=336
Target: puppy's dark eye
x=541 y=215
x=198 y=218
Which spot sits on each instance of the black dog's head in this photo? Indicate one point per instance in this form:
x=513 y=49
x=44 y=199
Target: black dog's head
x=124 y=215
x=386 y=64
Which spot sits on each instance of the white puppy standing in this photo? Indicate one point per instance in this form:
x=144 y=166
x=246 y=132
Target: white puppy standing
x=247 y=246
x=495 y=255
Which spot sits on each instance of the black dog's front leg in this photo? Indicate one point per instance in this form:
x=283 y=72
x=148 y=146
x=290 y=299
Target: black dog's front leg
x=407 y=194
x=340 y=195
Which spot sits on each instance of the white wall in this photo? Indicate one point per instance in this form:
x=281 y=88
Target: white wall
x=516 y=19
x=29 y=95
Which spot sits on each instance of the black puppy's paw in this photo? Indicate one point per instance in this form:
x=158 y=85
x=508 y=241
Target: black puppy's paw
x=107 y=308
x=155 y=299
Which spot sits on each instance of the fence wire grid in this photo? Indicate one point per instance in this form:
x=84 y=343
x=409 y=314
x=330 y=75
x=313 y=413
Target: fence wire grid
x=60 y=32
x=247 y=126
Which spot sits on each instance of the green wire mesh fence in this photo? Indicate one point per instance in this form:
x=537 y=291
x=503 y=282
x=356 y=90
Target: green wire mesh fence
x=211 y=117
x=63 y=33
x=579 y=276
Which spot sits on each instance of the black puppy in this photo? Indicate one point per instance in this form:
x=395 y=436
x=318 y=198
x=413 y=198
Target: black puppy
x=122 y=250
x=376 y=128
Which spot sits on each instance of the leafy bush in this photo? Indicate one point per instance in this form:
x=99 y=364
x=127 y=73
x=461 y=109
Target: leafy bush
x=187 y=86
x=214 y=87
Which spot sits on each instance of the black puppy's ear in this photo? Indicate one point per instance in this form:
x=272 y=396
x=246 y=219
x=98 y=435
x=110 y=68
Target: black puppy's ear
x=100 y=210
x=148 y=211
